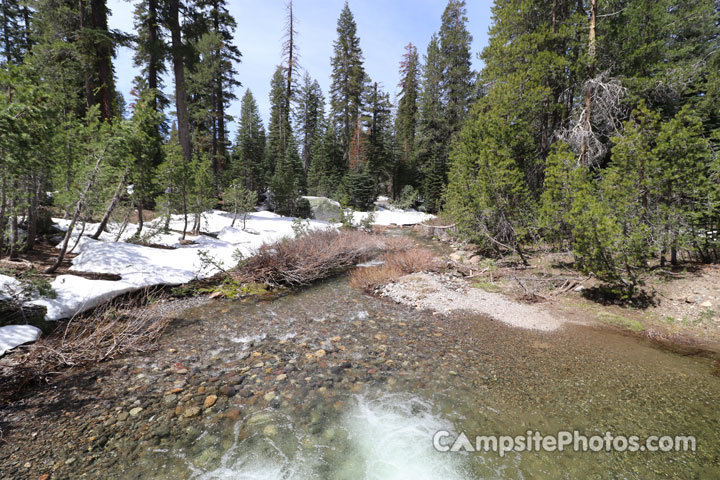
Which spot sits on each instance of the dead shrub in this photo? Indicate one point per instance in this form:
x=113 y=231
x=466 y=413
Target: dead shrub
x=410 y=261
x=125 y=325
x=397 y=244
x=397 y=264
x=299 y=261
x=369 y=278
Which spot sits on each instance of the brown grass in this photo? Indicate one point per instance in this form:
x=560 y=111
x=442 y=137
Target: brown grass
x=397 y=264
x=314 y=256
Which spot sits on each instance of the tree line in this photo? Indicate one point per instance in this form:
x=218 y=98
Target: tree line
x=597 y=131
x=71 y=143
x=593 y=126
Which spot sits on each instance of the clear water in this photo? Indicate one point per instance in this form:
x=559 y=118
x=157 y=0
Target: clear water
x=464 y=373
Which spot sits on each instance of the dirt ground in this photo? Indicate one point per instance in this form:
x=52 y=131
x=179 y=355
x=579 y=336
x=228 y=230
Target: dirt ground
x=679 y=308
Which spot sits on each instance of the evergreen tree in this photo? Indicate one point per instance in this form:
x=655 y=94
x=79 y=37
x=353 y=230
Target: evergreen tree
x=171 y=18
x=348 y=79
x=327 y=166
x=288 y=182
x=457 y=76
x=380 y=159
x=151 y=52
x=432 y=130
x=14 y=31
x=212 y=80
x=279 y=130
x=249 y=152
x=309 y=118
x=406 y=120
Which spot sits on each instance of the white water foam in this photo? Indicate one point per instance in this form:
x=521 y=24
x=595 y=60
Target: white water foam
x=388 y=437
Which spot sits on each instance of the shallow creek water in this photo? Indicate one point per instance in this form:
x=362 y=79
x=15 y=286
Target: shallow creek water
x=387 y=379
x=329 y=383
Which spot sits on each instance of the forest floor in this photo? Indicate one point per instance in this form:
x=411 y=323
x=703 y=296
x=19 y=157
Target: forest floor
x=679 y=309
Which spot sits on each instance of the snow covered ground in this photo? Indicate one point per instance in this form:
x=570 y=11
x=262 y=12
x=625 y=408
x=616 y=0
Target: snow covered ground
x=142 y=266
x=392 y=216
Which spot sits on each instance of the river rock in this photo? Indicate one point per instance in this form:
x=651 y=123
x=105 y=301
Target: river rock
x=706 y=304
x=191 y=412
x=210 y=401
x=135 y=411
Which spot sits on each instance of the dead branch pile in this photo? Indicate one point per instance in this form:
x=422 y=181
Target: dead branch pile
x=107 y=332
x=314 y=256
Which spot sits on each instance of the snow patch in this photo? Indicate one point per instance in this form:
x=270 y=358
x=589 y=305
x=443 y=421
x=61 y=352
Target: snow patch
x=13 y=335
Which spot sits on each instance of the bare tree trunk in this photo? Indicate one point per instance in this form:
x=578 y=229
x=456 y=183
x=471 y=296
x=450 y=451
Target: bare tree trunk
x=32 y=217
x=13 y=255
x=77 y=240
x=79 y=206
x=113 y=203
x=185 y=215
x=141 y=221
x=124 y=225
x=3 y=208
x=589 y=90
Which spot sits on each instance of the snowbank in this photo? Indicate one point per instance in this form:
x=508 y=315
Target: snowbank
x=14 y=335
x=142 y=266
x=392 y=216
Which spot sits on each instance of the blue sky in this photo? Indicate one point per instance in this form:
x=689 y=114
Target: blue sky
x=384 y=28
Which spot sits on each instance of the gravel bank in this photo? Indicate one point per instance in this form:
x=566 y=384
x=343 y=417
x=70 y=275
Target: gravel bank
x=445 y=294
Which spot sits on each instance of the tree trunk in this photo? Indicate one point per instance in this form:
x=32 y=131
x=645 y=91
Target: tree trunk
x=153 y=66
x=79 y=206
x=179 y=71
x=111 y=207
x=589 y=90
x=32 y=217
x=13 y=255
x=103 y=58
x=3 y=209
x=141 y=222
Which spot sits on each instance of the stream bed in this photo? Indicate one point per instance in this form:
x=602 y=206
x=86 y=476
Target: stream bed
x=329 y=383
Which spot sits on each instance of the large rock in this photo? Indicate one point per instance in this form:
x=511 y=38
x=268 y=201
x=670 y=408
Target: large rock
x=324 y=209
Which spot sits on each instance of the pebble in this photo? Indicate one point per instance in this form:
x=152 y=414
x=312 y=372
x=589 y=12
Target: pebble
x=320 y=353
x=269 y=396
x=191 y=412
x=135 y=411
x=210 y=401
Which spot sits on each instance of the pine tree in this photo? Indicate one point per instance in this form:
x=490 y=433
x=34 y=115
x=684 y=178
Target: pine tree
x=171 y=18
x=151 y=51
x=380 y=141
x=249 y=153
x=487 y=195
x=288 y=183
x=348 y=80
x=406 y=120
x=14 y=31
x=327 y=166
x=457 y=76
x=309 y=118
x=432 y=130
x=212 y=80
x=279 y=130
